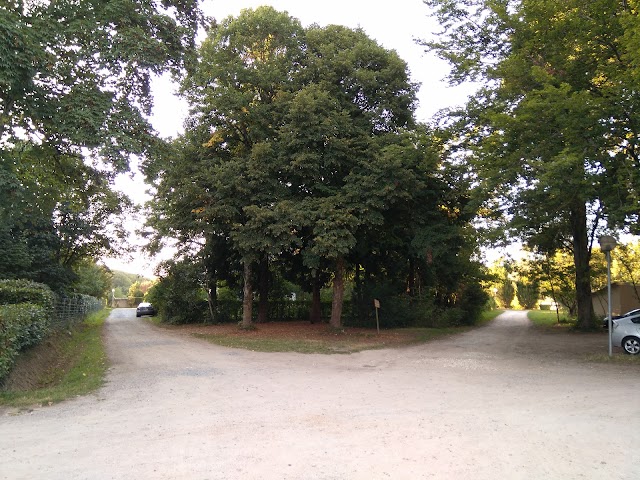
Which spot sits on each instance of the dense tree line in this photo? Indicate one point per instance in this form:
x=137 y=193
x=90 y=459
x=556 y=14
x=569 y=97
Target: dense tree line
x=74 y=95
x=551 y=136
x=301 y=156
x=301 y=159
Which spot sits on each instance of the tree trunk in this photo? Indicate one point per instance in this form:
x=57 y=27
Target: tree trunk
x=411 y=279
x=315 y=315
x=338 y=294
x=263 y=287
x=581 y=258
x=247 y=300
x=212 y=298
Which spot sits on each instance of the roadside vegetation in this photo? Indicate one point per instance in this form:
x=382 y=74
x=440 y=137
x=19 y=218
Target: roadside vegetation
x=550 y=319
x=616 y=358
x=68 y=363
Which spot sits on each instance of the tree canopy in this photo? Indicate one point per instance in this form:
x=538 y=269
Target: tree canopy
x=551 y=135
x=302 y=150
x=74 y=100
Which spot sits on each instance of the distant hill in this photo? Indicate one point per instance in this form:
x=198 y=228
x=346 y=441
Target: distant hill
x=123 y=280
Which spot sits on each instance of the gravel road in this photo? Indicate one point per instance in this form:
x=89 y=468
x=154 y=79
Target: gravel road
x=500 y=402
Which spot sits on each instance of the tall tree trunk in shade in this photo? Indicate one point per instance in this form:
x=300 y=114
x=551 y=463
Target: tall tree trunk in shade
x=263 y=287
x=315 y=314
x=247 y=300
x=338 y=294
x=581 y=257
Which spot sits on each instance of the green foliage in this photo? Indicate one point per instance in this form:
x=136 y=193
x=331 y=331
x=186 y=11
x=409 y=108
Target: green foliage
x=548 y=136
x=471 y=301
x=179 y=296
x=556 y=277
x=74 y=92
x=92 y=279
x=465 y=307
x=302 y=152
x=80 y=349
x=124 y=280
x=135 y=291
x=506 y=293
x=528 y=294
x=21 y=325
x=84 y=81
x=24 y=291
x=626 y=265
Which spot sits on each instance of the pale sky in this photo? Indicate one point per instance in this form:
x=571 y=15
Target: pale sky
x=394 y=25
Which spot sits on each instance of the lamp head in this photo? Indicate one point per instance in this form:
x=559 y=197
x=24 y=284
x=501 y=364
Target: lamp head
x=607 y=243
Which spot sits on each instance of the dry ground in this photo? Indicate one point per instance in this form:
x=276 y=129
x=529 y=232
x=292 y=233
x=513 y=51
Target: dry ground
x=505 y=401
x=295 y=335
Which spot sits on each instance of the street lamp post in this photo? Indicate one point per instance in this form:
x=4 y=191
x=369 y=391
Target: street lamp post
x=608 y=243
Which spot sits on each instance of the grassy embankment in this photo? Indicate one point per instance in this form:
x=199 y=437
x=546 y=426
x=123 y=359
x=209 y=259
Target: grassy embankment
x=67 y=364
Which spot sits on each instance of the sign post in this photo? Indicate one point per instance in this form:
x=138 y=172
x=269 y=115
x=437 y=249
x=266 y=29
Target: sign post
x=376 y=303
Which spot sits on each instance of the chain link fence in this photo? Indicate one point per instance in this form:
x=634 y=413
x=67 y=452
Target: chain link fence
x=72 y=309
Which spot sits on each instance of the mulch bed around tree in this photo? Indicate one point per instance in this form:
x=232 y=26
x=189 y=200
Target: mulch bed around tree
x=303 y=330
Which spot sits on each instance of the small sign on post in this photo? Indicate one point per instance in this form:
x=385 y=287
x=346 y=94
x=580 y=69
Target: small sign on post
x=376 y=304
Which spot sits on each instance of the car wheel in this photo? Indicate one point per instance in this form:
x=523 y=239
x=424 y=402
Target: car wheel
x=631 y=345
x=138 y=315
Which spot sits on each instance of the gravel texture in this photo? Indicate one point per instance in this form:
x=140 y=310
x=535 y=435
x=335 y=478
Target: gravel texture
x=503 y=401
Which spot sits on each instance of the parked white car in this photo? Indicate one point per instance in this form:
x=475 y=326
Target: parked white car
x=626 y=333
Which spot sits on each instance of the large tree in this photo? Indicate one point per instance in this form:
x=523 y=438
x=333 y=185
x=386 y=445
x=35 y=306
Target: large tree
x=57 y=212
x=76 y=75
x=550 y=135
x=238 y=97
x=74 y=99
x=288 y=119
x=301 y=152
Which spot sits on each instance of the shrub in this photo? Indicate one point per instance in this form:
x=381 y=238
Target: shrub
x=527 y=294
x=179 y=300
x=25 y=291
x=21 y=325
x=472 y=301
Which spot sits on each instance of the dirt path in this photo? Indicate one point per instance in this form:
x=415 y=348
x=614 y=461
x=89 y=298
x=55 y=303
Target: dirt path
x=482 y=405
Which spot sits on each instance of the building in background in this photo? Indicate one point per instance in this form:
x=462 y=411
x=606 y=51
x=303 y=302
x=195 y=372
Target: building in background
x=624 y=297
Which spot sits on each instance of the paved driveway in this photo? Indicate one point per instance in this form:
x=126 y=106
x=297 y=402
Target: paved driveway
x=495 y=403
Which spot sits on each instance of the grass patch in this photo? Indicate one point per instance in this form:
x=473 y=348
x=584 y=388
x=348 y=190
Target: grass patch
x=423 y=335
x=67 y=364
x=487 y=316
x=301 y=337
x=277 y=344
x=549 y=319
x=615 y=359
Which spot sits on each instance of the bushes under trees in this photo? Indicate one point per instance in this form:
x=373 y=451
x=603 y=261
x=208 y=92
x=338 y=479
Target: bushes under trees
x=179 y=295
x=25 y=291
x=26 y=309
x=29 y=311
x=21 y=325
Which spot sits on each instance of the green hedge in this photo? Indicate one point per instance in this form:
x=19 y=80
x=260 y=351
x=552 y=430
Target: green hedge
x=25 y=291
x=26 y=309
x=21 y=325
